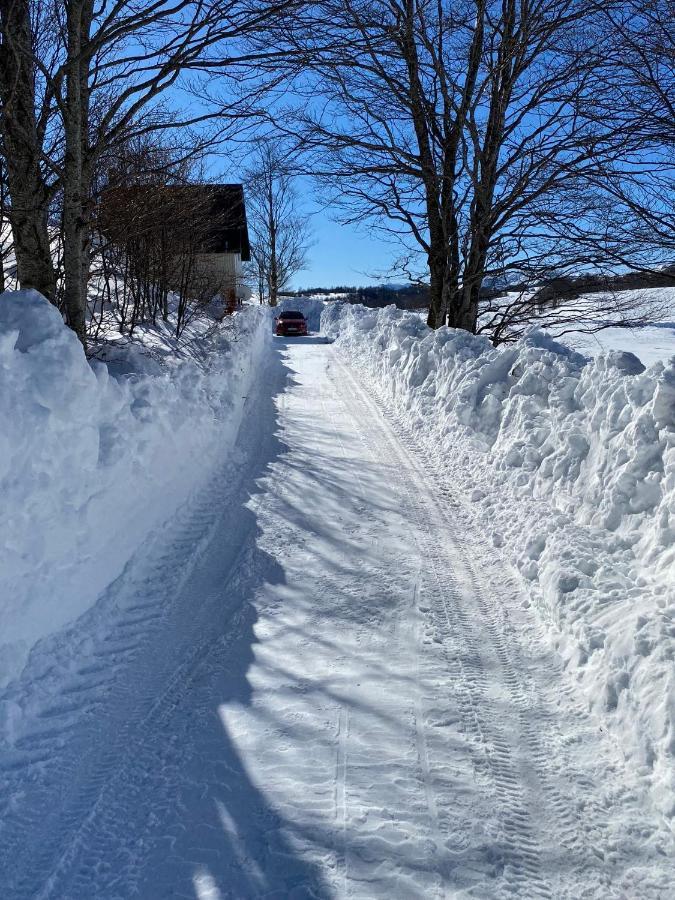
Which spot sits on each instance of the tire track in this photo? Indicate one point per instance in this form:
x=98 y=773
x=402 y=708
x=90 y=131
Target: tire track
x=525 y=699
x=589 y=837
x=143 y=758
x=518 y=794
x=121 y=678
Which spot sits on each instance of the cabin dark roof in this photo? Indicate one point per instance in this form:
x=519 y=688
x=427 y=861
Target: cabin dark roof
x=216 y=213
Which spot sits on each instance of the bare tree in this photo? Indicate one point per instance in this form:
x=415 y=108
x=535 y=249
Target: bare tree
x=637 y=89
x=642 y=62
x=6 y=244
x=132 y=255
x=104 y=68
x=279 y=231
x=124 y=54
x=460 y=126
x=154 y=235
x=24 y=118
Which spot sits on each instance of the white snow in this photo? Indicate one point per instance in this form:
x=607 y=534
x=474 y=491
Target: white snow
x=568 y=466
x=276 y=615
x=651 y=343
x=89 y=465
x=318 y=679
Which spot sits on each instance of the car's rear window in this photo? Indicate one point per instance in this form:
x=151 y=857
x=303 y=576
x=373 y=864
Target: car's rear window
x=291 y=314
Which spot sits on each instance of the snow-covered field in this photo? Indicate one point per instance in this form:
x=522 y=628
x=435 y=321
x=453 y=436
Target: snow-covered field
x=286 y=610
x=569 y=468
x=318 y=680
x=90 y=464
x=651 y=343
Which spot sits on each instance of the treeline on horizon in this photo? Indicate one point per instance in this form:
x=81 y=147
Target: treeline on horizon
x=403 y=296
x=416 y=296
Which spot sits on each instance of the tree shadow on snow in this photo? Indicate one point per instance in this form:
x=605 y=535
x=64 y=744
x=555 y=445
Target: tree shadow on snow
x=219 y=837
x=149 y=795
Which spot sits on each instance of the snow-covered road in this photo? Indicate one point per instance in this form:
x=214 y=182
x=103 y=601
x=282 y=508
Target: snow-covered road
x=317 y=682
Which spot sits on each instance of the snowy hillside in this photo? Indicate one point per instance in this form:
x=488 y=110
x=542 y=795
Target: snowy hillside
x=651 y=343
x=90 y=464
x=569 y=467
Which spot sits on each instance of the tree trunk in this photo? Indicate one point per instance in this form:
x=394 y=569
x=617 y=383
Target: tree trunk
x=75 y=262
x=474 y=275
x=443 y=284
x=76 y=227
x=274 y=267
x=468 y=311
x=3 y=221
x=481 y=217
x=29 y=194
x=437 y=291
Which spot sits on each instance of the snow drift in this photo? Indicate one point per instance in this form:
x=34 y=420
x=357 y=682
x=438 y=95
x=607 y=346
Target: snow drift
x=89 y=465
x=570 y=467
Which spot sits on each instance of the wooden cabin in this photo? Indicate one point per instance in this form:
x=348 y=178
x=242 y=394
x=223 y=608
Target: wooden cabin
x=195 y=233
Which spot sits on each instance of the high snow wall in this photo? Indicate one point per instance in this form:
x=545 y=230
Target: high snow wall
x=89 y=465
x=569 y=465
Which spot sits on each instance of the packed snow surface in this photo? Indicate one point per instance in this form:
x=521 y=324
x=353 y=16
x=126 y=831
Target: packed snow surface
x=318 y=679
x=569 y=465
x=89 y=464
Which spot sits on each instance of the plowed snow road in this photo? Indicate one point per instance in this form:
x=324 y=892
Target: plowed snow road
x=316 y=682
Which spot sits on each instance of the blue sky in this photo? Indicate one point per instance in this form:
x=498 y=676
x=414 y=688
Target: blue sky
x=341 y=254
x=344 y=254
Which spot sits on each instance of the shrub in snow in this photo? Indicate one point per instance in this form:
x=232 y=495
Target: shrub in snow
x=570 y=465
x=90 y=465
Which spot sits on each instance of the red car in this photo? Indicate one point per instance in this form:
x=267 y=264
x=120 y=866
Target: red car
x=291 y=322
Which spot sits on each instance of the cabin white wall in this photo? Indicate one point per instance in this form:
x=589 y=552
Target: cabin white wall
x=223 y=269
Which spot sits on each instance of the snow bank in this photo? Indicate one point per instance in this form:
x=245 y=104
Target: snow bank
x=570 y=467
x=310 y=307
x=89 y=465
